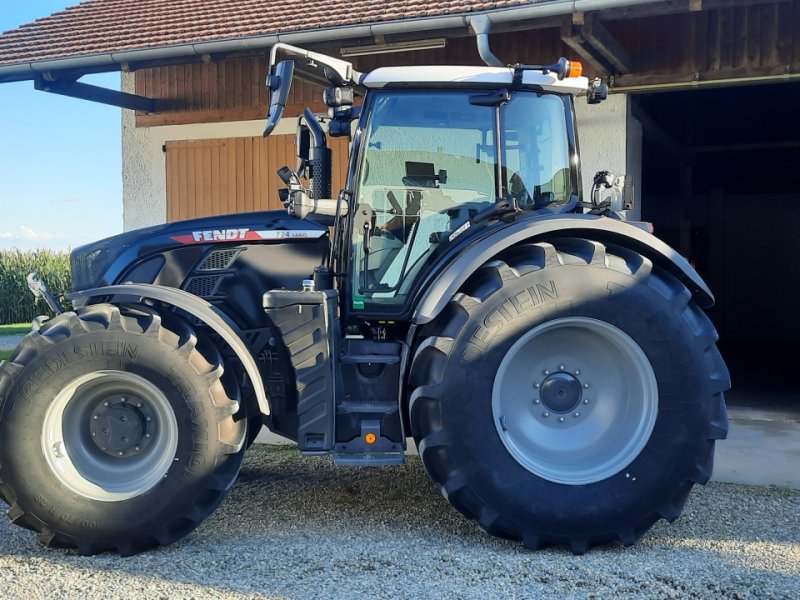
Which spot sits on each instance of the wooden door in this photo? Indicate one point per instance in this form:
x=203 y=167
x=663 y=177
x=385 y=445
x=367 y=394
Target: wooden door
x=231 y=175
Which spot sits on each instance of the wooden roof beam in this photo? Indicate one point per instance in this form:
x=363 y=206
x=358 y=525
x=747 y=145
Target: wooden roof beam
x=571 y=36
x=93 y=93
x=586 y=35
x=600 y=38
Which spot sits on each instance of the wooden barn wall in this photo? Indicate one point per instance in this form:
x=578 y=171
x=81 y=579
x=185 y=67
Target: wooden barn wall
x=234 y=89
x=747 y=41
x=210 y=92
x=233 y=175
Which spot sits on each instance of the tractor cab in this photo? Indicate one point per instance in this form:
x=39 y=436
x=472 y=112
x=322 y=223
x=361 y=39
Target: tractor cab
x=438 y=154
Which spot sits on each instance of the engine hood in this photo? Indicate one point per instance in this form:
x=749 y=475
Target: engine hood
x=104 y=262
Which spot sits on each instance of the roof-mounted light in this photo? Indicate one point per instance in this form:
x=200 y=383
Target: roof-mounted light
x=574 y=68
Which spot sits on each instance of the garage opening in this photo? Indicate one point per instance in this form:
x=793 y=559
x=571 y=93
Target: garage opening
x=721 y=182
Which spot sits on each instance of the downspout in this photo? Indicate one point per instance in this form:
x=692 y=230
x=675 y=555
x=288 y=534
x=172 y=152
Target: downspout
x=479 y=21
x=481 y=25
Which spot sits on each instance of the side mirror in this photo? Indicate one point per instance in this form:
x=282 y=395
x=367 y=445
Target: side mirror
x=279 y=84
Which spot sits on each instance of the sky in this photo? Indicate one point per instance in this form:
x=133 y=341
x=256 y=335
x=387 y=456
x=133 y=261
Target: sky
x=60 y=158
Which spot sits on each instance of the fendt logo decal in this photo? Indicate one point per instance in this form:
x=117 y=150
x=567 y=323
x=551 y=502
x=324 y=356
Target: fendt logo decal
x=220 y=235
x=245 y=234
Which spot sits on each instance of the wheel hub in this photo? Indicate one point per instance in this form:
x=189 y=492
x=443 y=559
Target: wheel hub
x=575 y=400
x=110 y=435
x=561 y=392
x=122 y=425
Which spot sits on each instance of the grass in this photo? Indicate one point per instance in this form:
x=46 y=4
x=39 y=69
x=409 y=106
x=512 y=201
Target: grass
x=5 y=354
x=15 y=329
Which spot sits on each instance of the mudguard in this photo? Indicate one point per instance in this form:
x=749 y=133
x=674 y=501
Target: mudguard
x=442 y=284
x=198 y=308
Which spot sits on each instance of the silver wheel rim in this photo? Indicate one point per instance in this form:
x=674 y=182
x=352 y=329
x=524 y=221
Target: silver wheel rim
x=110 y=436
x=575 y=400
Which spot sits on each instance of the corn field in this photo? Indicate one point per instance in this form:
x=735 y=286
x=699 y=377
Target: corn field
x=17 y=304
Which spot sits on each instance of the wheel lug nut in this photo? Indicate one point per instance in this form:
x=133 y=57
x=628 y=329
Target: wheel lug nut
x=586 y=386
x=149 y=419
x=577 y=371
x=147 y=435
x=95 y=417
x=123 y=399
x=105 y=403
x=586 y=401
x=137 y=448
x=537 y=401
x=120 y=454
x=560 y=419
x=546 y=414
x=546 y=372
x=562 y=368
x=576 y=415
x=536 y=385
x=138 y=405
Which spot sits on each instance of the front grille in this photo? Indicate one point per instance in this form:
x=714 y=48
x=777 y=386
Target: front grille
x=204 y=286
x=219 y=260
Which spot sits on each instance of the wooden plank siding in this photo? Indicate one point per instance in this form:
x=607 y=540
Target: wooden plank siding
x=761 y=39
x=211 y=92
x=222 y=176
x=738 y=42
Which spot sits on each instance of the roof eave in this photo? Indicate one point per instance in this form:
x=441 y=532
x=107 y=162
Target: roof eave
x=114 y=61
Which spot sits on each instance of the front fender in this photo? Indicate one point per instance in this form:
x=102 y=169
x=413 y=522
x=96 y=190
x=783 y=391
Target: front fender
x=442 y=284
x=198 y=308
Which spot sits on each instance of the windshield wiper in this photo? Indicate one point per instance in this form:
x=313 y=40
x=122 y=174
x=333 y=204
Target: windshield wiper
x=500 y=209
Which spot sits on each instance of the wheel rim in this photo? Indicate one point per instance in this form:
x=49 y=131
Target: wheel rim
x=110 y=436
x=575 y=400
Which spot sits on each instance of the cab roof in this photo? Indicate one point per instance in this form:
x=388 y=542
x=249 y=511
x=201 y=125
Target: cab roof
x=461 y=77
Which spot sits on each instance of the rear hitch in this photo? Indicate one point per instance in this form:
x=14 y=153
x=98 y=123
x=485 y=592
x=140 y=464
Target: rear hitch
x=39 y=289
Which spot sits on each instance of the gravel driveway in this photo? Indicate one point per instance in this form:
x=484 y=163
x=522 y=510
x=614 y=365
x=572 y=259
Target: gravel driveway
x=300 y=528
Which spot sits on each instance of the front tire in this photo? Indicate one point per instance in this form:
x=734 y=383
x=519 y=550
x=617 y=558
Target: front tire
x=569 y=394
x=117 y=431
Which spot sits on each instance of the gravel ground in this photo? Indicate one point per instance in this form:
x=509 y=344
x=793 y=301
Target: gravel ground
x=301 y=528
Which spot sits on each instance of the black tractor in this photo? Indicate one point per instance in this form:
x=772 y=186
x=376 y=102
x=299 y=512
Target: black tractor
x=551 y=361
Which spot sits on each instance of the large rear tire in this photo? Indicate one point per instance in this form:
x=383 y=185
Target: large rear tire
x=569 y=394
x=116 y=430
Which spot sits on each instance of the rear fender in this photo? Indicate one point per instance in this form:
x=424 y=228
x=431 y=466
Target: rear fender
x=444 y=283
x=198 y=308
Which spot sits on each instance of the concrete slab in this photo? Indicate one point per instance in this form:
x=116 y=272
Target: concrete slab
x=763 y=448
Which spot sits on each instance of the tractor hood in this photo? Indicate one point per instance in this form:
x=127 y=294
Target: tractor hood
x=110 y=260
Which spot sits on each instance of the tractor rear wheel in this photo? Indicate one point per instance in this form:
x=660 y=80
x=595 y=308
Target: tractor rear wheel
x=117 y=430
x=569 y=394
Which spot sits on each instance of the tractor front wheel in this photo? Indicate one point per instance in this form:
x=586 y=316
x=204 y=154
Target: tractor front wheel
x=117 y=431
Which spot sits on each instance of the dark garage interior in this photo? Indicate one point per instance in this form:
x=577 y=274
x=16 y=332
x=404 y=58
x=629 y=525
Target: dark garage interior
x=721 y=182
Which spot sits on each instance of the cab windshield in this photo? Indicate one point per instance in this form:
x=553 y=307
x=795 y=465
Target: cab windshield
x=431 y=162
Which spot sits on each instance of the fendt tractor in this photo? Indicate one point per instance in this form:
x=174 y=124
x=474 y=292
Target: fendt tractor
x=551 y=361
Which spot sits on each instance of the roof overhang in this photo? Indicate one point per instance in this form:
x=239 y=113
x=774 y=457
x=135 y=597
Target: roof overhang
x=75 y=67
